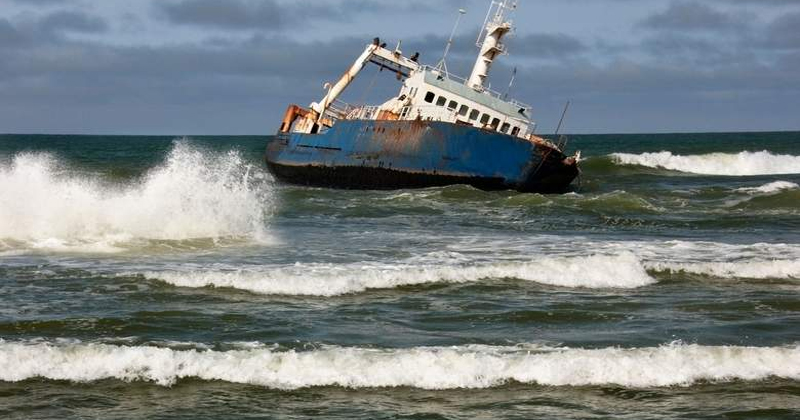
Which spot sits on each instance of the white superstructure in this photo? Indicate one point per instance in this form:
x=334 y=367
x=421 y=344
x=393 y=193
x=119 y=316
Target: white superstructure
x=428 y=93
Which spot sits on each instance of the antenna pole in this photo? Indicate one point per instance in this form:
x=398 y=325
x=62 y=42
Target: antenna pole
x=442 y=65
x=563 y=114
x=511 y=83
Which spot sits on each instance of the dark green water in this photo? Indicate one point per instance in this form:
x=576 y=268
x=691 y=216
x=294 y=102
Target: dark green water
x=154 y=277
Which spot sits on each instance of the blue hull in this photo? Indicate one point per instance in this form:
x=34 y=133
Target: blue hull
x=369 y=154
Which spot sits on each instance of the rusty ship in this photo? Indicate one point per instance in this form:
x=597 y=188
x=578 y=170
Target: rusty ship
x=439 y=130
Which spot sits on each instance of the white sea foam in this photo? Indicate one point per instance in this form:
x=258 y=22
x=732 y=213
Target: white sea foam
x=770 y=188
x=194 y=194
x=752 y=269
x=423 y=367
x=738 y=164
x=616 y=265
x=597 y=271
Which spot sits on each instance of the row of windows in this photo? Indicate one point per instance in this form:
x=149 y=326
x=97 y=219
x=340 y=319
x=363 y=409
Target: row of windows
x=473 y=115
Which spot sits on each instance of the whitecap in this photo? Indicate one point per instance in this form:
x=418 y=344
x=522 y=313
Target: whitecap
x=729 y=164
x=194 y=194
x=770 y=188
x=472 y=366
x=596 y=271
x=747 y=269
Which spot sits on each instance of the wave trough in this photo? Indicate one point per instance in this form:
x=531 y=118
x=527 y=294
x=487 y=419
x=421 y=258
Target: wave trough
x=726 y=164
x=422 y=367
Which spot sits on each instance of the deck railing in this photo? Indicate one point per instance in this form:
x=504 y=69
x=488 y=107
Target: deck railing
x=493 y=93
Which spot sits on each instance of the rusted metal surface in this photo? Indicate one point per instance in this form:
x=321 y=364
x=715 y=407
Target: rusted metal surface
x=438 y=130
x=417 y=153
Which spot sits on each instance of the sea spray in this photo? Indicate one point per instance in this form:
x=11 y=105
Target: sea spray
x=193 y=194
x=470 y=366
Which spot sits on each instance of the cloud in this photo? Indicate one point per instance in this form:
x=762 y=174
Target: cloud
x=41 y=2
x=784 y=32
x=10 y=36
x=241 y=80
x=272 y=15
x=546 y=45
x=74 y=22
x=28 y=32
x=693 y=16
x=229 y=14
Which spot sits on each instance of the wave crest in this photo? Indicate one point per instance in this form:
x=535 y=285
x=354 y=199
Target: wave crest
x=597 y=271
x=738 y=164
x=766 y=269
x=194 y=194
x=472 y=366
x=770 y=188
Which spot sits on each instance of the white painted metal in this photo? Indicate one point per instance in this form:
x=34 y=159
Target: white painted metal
x=432 y=94
x=495 y=27
x=337 y=89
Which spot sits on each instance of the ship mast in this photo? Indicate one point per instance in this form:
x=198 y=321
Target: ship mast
x=494 y=28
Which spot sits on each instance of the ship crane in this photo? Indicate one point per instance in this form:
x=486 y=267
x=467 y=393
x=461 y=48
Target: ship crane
x=392 y=60
x=495 y=27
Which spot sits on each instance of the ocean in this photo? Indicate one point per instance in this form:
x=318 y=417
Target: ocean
x=165 y=278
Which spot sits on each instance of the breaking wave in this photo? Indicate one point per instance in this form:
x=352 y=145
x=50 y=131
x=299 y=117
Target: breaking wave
x=597 y=271
x=194 y=194
x=473 y=366
x=624 y=265
x=767 y=269
x=738 y=164
x=772 y=187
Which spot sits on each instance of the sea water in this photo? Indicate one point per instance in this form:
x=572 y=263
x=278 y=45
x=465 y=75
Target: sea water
x=162 y=277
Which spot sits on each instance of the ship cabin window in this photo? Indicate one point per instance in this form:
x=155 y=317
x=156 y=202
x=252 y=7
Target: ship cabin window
x=485 y=119
x=474 y=115
x=429 y=97
x=495 y=123
x=463 y=110
x=452 y=105
x=441 y=101
x=515 y=131
x=505 y=127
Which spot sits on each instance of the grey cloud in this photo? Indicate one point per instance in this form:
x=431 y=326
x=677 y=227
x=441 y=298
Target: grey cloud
x=693 y=16
x=226 y=85
x=544 y=45
x=230 y=14
x=535 y=45
x=73 y=21
x=9 y=35
x=671 y=48
x=272 y=15
x=48 y=29
x=784 y=32
x=41 y=2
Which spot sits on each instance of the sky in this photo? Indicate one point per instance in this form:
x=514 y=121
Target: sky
x=231 y=67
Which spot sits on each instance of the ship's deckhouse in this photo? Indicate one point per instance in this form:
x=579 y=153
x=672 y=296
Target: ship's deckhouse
x=428 y=93
x=435 y=96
